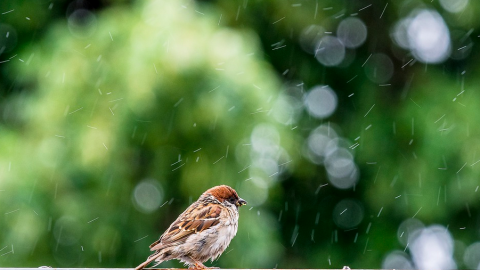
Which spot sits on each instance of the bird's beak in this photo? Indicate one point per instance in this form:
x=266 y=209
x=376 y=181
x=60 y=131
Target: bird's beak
x=241 y=202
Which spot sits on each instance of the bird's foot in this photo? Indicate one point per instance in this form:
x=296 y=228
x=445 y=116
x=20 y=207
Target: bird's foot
x=197 y=266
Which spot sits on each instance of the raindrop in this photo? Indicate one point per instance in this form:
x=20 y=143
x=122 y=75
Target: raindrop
x=330 y=51
x=8 y=38
x=352 y=32
x=321 y=101
x=462 y=45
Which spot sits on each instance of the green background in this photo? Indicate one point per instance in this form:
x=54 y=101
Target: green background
x=114 y=121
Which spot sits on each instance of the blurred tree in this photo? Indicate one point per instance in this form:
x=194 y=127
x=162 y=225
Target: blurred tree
x=24 y=22
x=127 y=114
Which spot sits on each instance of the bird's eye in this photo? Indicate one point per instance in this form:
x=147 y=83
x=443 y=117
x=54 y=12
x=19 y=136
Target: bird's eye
x=232 y=200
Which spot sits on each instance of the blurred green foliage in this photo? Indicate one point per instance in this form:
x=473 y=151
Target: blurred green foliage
x=143 y=105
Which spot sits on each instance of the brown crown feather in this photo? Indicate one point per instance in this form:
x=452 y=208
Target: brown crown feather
x=222 y=192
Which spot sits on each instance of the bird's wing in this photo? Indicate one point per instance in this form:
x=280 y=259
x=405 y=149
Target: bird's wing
x=197 y=218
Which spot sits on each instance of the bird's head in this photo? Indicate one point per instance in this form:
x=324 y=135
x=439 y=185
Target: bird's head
x=225 y=193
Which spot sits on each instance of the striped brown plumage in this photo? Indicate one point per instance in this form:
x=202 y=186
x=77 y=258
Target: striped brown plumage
x=202 y=232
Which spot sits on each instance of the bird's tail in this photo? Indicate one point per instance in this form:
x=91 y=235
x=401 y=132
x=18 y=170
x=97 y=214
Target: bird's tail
x=148 y=261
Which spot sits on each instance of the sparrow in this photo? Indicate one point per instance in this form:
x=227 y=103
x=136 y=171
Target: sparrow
x=201 y=232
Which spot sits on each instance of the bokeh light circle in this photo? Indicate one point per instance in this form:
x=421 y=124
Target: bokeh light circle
x=310 y=36
x=397 y=260
x=147 y=196
x=321 y=101
x=265 y=139
x=82 y=23
x=399 y=33
x=348 y=213
x=454 y=6
x=407 y=228
x=318 y=140
x=254 y=190
x=336 y=144
x=379 y=68
x=352 y=32
x=346 y=180
x=286 y=109
x=471 y=257
x=340 y=164
x=429 y=37
x=264 y=166
x=342 y=171
x=432 y=248
x=330 y=51
x=67 y=231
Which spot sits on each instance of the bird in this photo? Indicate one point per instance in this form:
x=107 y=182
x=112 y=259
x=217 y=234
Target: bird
x=202 y=232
